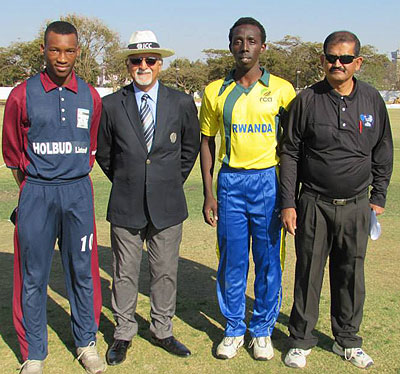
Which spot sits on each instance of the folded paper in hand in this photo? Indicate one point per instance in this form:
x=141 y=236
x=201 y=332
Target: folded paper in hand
x=374 y=226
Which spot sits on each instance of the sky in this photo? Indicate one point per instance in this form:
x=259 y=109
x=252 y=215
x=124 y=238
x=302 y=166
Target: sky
x=190 y=26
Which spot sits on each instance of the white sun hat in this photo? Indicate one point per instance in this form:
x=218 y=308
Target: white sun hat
x=145 y=42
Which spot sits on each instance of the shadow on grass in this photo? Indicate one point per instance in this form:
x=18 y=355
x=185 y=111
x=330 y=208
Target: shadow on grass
x=7 y=331
x=280 y=339
x=196 y=303
x=58 y=319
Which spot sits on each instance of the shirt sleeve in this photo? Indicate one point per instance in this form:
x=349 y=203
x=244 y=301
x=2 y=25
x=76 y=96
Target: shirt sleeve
x=14 y=118
x=208 y=117
x=287 y=96
x=105 y=141
x=190 y=140
x=94 y=126
x=290 y=147
x=382 y=158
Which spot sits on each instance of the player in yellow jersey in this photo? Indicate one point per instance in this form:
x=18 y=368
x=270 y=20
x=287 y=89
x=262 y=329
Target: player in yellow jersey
x=245 y=108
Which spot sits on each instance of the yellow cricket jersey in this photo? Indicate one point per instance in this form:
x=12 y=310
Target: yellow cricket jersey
x=248 y=119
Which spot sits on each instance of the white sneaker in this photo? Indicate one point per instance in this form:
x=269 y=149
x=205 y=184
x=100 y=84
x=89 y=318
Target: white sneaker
x=32 y=367
x=296 y=357
x=355 y=355
x=262 y=348
x=229 y=346
x=90 y=359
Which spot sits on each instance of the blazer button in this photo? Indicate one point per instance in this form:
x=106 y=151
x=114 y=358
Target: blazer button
x=148 y=162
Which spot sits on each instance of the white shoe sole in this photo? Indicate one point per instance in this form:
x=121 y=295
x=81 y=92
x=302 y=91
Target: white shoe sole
x=222 y=356
x=294 y=365
x=337 y=350
x=264 y=358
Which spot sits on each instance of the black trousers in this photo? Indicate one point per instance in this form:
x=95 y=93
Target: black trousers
x=339 y=232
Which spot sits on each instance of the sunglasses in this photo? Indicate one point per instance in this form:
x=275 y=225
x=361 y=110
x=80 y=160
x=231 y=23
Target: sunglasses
x=344 y=59
x=150 y=61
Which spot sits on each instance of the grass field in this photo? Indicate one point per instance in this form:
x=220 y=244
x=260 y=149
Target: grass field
x=198 y=322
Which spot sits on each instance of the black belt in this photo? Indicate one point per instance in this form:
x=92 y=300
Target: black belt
x=333 y=201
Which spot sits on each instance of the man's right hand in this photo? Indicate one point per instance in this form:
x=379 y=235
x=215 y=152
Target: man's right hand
x=210 y=209
x=289 y=217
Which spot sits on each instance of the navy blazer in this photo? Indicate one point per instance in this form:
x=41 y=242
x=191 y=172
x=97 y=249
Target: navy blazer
x=147 y=186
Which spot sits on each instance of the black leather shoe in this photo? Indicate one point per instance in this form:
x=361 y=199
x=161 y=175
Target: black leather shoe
x=116 y=354
x=171 y=345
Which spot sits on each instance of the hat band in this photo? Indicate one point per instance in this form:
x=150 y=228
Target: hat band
x=145 y=45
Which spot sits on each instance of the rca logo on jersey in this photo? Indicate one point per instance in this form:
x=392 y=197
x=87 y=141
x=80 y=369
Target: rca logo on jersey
x=265 y=98
x=248 y=128
x=367 y=120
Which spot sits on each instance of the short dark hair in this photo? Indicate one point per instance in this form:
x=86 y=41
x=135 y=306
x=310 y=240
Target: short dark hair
x=60 y=27
x=248 y=21
x=343 y=37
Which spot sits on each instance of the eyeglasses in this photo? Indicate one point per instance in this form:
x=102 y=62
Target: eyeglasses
x=150 y=61
x=344 y=59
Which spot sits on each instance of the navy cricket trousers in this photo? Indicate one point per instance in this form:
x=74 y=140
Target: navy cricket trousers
x=50 y=212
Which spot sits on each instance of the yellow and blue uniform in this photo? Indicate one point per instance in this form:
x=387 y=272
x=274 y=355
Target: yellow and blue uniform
x=248 y=120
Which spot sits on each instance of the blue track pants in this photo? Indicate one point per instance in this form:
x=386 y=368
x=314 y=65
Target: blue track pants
x=248 y=210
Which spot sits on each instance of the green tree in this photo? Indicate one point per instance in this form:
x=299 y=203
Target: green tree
x=10 y=72
x=276 y=61
x=294 y=60
x=98 y=48
x=306 y=59
x=189 y=76
x=114 y=68
x=220 y=62
x=289 y=58
x=377 y=69
x=19 y=61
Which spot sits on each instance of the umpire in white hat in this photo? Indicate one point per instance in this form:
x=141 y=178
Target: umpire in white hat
x=147 y=145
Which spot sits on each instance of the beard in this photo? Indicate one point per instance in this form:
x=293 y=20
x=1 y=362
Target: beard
x=143 y=77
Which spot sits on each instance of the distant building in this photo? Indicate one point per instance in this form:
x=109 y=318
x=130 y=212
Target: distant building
x=396 y=61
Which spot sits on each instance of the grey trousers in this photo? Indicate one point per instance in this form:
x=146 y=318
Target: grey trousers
x=163 y=255
x=340 y=233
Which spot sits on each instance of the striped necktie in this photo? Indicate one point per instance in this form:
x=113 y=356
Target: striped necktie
x=147 y=121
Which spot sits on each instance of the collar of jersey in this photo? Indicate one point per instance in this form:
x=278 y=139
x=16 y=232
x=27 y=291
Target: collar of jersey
x=229 y=79
x=49 y=85
x=336 y=95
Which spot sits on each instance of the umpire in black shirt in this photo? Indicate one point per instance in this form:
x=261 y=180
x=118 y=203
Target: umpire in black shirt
x=337 y=143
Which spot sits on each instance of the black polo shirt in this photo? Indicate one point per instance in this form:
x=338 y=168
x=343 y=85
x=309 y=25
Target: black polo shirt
x=337 y=145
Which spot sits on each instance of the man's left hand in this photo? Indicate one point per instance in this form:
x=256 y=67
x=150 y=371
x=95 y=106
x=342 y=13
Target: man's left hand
x=378 y=209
